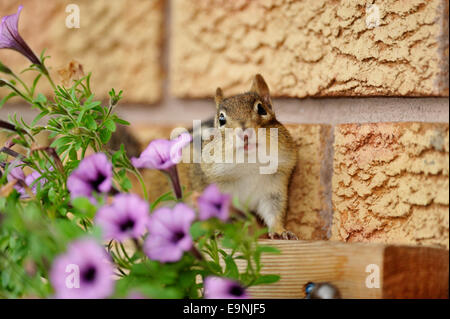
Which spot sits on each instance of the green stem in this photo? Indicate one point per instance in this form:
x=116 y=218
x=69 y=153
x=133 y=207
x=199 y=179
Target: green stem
x=83 y=152
x=23 y=84
x=16 y=90
x=141 y=181
x=47 y=75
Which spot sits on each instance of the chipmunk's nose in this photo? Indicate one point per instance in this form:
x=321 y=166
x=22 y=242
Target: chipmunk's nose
x=245 y=134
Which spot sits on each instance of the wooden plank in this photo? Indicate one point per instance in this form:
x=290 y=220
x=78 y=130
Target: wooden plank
x=415 y=272
x=301 y=262
x=349 y=266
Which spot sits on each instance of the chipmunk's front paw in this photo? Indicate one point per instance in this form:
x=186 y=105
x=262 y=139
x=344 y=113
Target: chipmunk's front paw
x=286 y=235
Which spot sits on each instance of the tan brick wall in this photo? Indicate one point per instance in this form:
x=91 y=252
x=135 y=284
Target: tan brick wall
x=391 y=183
x=309 y=213
x=119 y=41
x=305 y=48
x=310 y=48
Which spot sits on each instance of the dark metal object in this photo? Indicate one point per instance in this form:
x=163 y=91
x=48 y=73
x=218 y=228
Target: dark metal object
x=322 y=290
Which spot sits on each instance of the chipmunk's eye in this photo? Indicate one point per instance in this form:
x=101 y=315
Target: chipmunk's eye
x=260 y=108
x=222 y=119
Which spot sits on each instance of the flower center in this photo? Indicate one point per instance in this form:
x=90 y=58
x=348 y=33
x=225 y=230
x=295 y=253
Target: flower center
x=89 y=274
x=218 y=206
x=127 y=224
x=236 y=290
x=177 y=236
x=95 y=184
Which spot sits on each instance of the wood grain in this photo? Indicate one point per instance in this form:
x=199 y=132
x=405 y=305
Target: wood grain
x=415 y=272
x=301 y=262
x=404 y=272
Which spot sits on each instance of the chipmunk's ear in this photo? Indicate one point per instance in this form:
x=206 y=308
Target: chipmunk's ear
x=260 y=87
x=219 y=96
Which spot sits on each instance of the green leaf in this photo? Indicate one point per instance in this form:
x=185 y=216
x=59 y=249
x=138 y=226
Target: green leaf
x=90 y=122
x=229 y=242
x=144 y=269
x=5 y=278
x=110 y=125
x=86 y=107
x=52 y=195
x=118 y=155
x=80 y=116
x=105 y=135
x=266 y=279
x=167 y=276
x=125 y=184
x=73 y=154
x=197 y=230
x=231 y=269
x=5 y=69
x=163 y=198
x=40 y=98
x=62 y=149
x=91 y=105
x=6 y=98
x=83 y=205
x=68 y=229
x=62 y=141
x=215 y=267
x=35 y=82
x=154 y=291
x=38 y=117
x=121 y=121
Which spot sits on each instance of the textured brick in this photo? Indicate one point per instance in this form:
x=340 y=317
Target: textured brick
x=309 y=213
x=391 y=183
x=120 y=43
x=310 y=48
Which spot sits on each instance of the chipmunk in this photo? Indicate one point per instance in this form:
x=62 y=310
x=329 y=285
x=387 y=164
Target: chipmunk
x=265 y=194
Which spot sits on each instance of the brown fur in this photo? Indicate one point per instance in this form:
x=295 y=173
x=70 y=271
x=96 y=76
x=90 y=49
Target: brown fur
x=241 y=112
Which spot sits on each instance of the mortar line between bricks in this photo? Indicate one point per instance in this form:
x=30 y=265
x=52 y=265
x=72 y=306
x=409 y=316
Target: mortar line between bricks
x=326 y=172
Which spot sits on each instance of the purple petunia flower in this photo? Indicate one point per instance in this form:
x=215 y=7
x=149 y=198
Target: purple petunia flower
x=125 y=218
x=17 y=174
x=212 y=203
x=84 y=271
x=30 y=181
x=223 y=288
x=169 y=235
x=94 y=174
x=162 y=154
x=11 y=39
